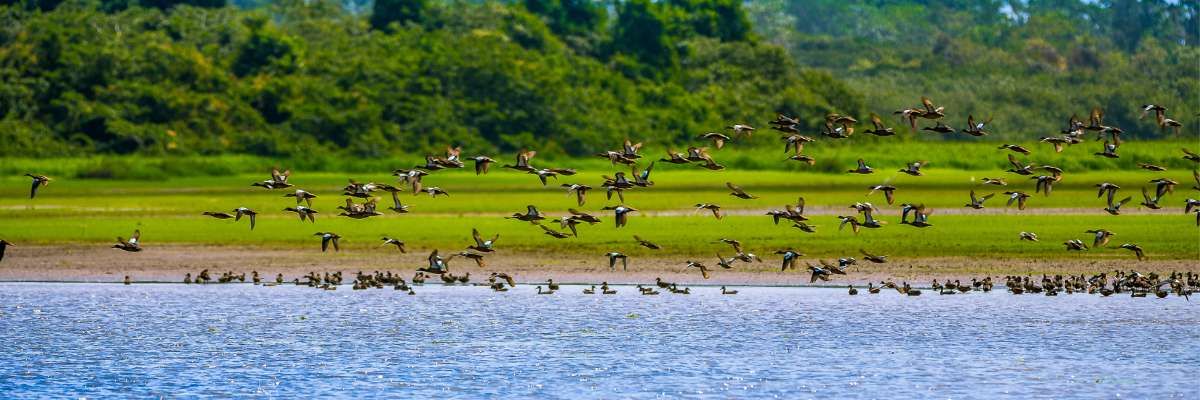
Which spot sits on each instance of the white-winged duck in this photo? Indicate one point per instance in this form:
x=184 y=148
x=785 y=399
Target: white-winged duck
x=621 y=213
x=718 y=140
x=302 y=195
x=394 y=242
x=1137 y=250
x=328 y=238
x=862 y=168
x=612 y=261
x=304 y=213
x=579 y=190
x=789 y=258
x=38 y=181
x=715 y=209
x=977 y=202
x=131 y=245
x=243 y=211
x=976 y=129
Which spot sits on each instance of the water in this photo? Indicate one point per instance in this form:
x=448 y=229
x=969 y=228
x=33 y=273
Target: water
x=104 y=340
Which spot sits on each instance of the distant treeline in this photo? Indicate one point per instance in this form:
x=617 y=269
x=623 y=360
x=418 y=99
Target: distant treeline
x=290 y=78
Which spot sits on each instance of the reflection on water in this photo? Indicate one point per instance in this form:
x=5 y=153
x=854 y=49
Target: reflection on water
x=99 y=340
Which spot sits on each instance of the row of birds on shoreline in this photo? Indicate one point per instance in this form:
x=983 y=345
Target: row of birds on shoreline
x=1103 y=284
x=836 y=127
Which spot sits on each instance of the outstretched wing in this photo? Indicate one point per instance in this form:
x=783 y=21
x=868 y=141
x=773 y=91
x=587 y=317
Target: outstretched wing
x=735 y=188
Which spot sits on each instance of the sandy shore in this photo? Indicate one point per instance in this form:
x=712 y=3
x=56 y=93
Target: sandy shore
x=169 y=263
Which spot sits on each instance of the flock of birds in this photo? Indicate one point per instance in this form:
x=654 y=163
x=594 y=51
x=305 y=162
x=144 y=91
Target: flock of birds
x=361 y=203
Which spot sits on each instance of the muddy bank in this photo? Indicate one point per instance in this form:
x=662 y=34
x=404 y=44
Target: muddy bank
x=169 y=263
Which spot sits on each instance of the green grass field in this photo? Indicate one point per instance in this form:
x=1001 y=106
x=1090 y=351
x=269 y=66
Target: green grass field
x=93 y=211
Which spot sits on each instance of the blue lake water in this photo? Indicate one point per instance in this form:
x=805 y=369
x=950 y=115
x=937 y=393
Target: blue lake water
x=105 y=340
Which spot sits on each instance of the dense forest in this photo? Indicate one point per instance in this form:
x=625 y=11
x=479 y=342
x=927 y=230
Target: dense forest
x=289 y=77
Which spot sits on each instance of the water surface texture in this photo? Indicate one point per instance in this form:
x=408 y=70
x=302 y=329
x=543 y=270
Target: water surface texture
x=104 y=340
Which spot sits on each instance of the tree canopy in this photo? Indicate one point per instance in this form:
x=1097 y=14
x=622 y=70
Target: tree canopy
x=292 y=77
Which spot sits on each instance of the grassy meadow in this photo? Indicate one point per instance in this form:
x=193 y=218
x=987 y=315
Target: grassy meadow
x=167 y=210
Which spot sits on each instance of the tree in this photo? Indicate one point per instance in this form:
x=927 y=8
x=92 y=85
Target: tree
x=641 y=32
x=385 y=12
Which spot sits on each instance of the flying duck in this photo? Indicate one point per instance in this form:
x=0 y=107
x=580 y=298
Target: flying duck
x=1015 y=147
x=976 y=129
x=879 y=130
x=582 y=216
x=1151 y=167
x=38 y=181
x=4 y=244
x=862 y=168
x=398 y=243
x=740 y=130
x=995 y=181
x=481 y=164
x=1115 y=209
x=789 y=258
x=523 y=161
x=1075 y=245
x=1148 y=202
x=531 y=214
x=718 y=140
x=674 y=158
x=873 y=258
x=217 y=215
x=1018 y=197
x=1101 y=237
x=642 y=178
x=478 y=258
x=646 y=243
x=1137 y=250
x=977 y=203
x=302 y=195
x=913 y=168
x=716 y=209
x=939 y=127
x=888 y=192
x=481 y=245
x=240 y=211
x=437 y=265
x=327 y=238
x=553 y=233
x=131 y=245
x=612 y=260
x=397 y=207
x=621 y=212
x=703 y=269
x=1110 y=150
x=580 y=191
x=304 y=212
x=278 y=180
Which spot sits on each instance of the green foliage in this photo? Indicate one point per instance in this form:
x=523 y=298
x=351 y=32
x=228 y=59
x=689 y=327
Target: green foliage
x=387 y=12
x=295 y=79
x=299 y=79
